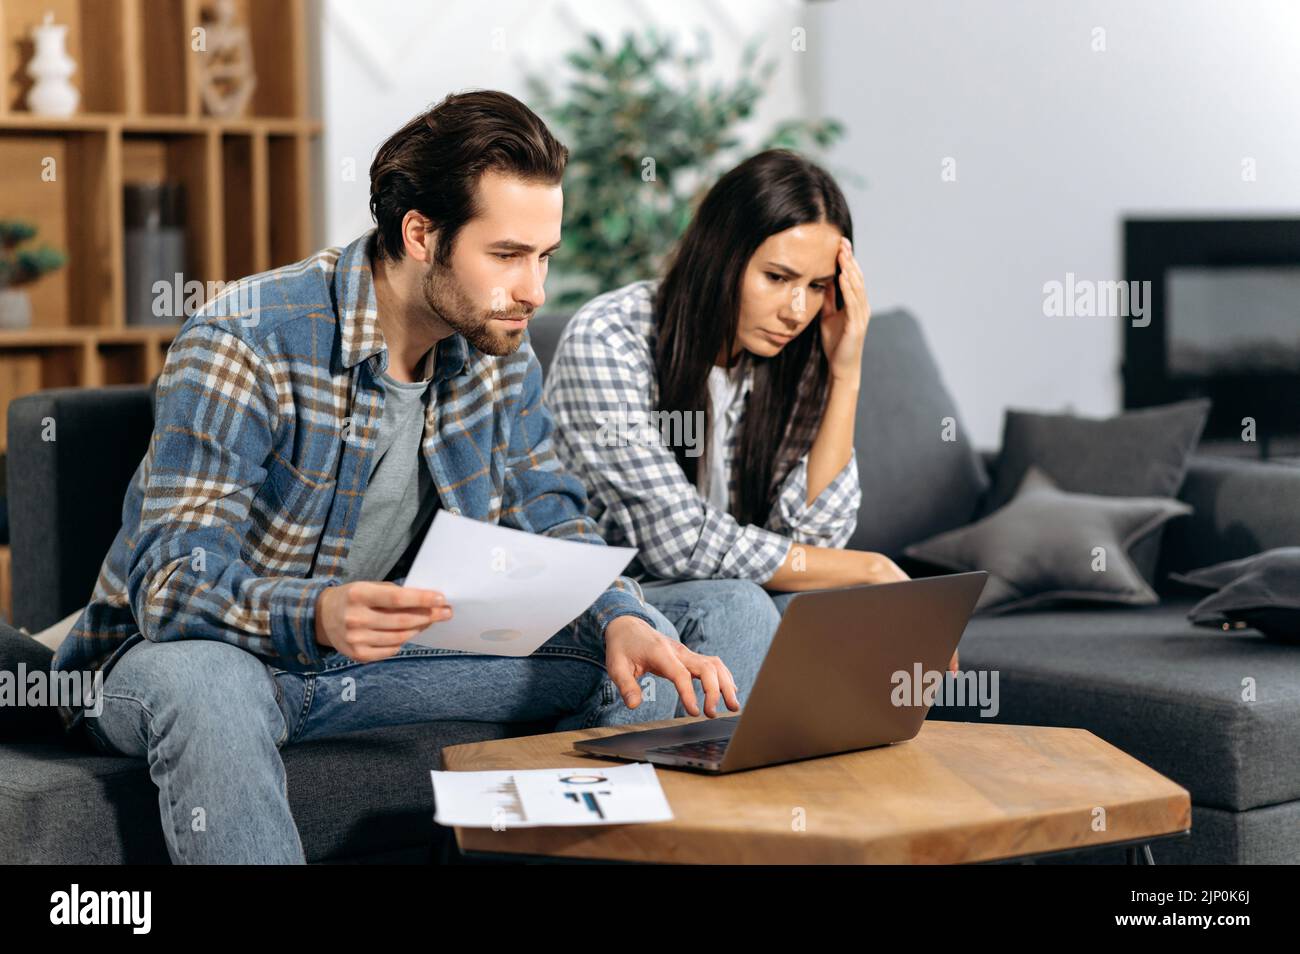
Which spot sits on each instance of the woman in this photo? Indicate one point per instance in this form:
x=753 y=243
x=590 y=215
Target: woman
x=711 y=415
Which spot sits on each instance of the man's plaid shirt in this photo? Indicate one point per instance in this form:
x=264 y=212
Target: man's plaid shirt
x=603 y=373
x=268 y=408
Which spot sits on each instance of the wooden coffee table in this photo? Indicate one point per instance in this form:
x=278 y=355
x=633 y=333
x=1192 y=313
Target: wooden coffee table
x=959 y=792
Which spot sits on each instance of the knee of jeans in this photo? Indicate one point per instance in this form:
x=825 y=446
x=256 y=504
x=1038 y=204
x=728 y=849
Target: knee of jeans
x=744 y=602
x=197 y=676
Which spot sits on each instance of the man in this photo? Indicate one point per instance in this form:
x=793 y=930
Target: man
x=309 y=422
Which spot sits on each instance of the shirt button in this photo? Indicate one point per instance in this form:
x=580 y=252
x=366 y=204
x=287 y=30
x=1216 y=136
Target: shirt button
x=454 y=511
x=302 y=658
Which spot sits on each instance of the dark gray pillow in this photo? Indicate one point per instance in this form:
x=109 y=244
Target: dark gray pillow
x=915 y=483
x=24 y=723
x=1141 y=453
x=1041 y=547
x=1261 y=591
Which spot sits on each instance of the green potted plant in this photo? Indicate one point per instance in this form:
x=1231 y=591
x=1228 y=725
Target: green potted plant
x=19 y=267
x=647 y=137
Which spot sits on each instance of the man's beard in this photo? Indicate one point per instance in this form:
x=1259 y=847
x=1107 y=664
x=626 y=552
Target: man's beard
x=448 y=300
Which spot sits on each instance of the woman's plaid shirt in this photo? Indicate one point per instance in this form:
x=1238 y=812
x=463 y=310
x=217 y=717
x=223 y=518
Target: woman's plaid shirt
x=268 y=407
x=602 y=379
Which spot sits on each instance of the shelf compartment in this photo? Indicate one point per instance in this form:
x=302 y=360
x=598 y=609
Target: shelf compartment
x=290 y=229
x=279 y=56
x=96 y=40
x=244 y=172
x=61 y=183
x=161 y=79
x=123 y=363
x=194 y=161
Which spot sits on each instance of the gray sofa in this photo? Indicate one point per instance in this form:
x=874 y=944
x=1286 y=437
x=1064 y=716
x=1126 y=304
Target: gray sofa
x=1144 y=678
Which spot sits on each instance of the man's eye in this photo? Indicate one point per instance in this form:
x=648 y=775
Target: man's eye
x=504 y=256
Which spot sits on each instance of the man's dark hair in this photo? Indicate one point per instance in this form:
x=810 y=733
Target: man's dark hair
x=434 y=162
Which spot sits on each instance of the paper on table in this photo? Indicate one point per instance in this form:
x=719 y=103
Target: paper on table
x=530 y=798
x=509 y=591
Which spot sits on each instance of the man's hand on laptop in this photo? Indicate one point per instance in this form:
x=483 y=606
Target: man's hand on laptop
x=634 y=648
x=370 y=621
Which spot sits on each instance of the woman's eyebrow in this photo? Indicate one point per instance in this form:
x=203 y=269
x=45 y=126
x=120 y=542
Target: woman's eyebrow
x=791 y=273
x=786 y=270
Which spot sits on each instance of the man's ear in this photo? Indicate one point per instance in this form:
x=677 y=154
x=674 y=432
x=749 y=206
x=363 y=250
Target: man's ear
x=419 y=237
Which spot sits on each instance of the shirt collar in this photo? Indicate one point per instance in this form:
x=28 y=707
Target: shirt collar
x=360 y=336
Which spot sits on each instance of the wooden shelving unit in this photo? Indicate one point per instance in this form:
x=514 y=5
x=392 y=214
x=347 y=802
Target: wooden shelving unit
x=247 y=179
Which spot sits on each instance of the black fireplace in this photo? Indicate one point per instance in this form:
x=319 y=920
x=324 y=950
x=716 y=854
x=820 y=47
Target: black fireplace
x=1224 y=324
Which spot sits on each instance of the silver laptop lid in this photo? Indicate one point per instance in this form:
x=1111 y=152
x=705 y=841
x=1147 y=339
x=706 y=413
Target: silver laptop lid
x=827 y=684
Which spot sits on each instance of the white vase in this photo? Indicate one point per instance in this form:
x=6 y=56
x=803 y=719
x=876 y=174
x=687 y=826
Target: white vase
x=51 y=68
x=15 y=308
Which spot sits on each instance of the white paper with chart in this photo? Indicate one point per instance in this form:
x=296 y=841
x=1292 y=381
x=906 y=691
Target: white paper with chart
x=509 y=591
x=531 y=798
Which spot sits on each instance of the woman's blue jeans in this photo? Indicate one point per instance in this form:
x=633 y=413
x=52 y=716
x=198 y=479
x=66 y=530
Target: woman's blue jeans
x=210 y=718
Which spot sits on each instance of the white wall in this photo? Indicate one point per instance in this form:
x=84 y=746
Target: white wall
x=1054 y=144
x=384 y=61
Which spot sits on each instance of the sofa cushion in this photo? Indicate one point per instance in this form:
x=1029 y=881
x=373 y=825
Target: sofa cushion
x=919 y=469
x=359 y=794
x=1142 y=453
x=1241 y=506
x=1167 y=692
x=1042 y=547
x=20 y=655
x=1262 y=591
x=544 y=334
x=66 y=493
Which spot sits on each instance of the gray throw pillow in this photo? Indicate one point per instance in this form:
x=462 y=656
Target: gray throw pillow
x=1260 y=591
x=1141 y=453
x=1049 y=545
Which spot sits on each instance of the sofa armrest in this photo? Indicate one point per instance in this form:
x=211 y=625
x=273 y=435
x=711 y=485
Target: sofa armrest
x=1241 y=506
x=66 y=494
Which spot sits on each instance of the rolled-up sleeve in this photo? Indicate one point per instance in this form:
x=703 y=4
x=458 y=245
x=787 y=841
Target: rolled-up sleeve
x=830 y=519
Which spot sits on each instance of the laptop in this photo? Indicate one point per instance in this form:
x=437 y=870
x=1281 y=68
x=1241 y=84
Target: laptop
x=827 y=684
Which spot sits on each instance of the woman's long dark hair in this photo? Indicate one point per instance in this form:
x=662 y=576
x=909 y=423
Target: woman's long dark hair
x=697 y=312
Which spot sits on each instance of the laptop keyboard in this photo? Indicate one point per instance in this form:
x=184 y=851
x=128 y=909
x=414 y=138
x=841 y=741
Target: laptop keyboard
x=706 y=750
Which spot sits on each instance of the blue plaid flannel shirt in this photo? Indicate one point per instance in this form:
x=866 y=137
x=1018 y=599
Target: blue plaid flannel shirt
x=603 y=372
x=268 y=407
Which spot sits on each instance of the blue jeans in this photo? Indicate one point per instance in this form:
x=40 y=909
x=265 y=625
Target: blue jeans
x=782 y=600
x=210 y=718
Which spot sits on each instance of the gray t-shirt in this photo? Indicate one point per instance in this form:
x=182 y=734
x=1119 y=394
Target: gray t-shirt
x=400 y=499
